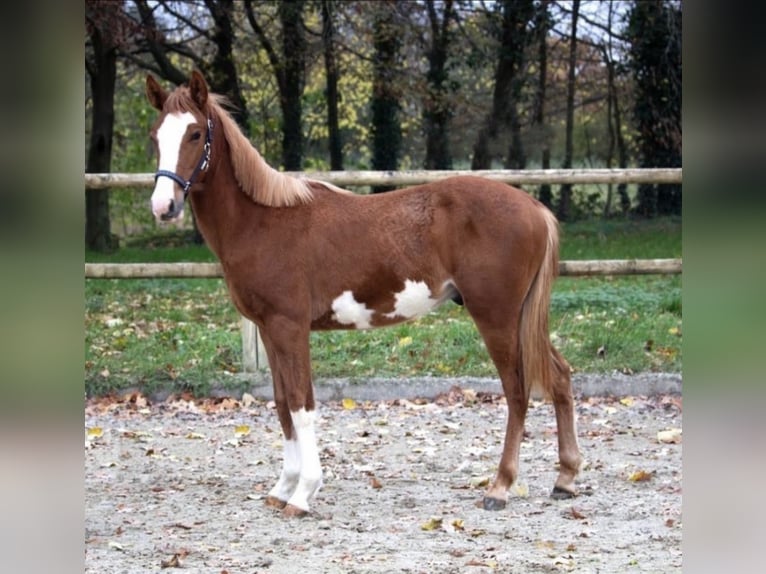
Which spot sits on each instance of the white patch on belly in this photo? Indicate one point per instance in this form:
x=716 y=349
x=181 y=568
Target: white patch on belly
x=349 y=311
x=413 y=301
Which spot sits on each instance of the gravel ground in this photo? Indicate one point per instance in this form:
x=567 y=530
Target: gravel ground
x=180 y=483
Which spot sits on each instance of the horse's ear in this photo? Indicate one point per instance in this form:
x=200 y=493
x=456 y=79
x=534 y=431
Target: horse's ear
x=155 y=93
x=198 y=89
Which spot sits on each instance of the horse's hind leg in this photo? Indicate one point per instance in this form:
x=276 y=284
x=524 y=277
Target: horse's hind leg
x=501 y=338
x=569 y=451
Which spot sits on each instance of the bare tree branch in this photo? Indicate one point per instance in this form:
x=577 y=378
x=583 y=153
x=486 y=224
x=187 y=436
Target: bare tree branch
x=166 y=68
x=265 y=43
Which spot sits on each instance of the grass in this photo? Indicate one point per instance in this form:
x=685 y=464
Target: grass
x=185 y=333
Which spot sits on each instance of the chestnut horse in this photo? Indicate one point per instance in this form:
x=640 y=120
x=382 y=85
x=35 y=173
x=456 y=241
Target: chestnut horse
x=301 y=255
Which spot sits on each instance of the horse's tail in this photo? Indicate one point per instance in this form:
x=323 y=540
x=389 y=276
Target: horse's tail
x=538 y=356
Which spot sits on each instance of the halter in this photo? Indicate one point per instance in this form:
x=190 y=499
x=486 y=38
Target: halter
x=202 y=164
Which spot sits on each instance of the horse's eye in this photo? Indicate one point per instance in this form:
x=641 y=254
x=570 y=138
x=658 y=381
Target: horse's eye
x=195 y=136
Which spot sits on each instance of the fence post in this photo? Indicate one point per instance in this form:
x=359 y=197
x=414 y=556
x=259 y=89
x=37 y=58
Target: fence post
x=253 y=353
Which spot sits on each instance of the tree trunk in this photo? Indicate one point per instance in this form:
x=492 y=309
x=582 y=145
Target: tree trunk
x=622 y=156
x=331 y=71
x=386 y=127
x=294 y=63
x=654 y=29
x=513 y=41
x=436 y=112
x=542 y=25
x=103 y=73
x=221 y=73
x=565 y=199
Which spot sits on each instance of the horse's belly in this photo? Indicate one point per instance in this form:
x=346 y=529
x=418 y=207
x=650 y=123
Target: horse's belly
x=414 y=300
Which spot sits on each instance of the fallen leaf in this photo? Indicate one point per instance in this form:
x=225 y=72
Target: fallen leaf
x=640 y=476
x=173 y=562
x=520 y=490
x=672 y=435
x=348 y=404
x=627 y=401
x=95 y=432
x=247 y=399
x=577 y=515
x=405 y=341
x=480 y=481
x=195 y=435
x=485 y=564
x=241 y=430
x=432 y=524
x=457 y=524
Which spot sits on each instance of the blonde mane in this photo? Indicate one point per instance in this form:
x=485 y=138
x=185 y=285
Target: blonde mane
x=257 y=179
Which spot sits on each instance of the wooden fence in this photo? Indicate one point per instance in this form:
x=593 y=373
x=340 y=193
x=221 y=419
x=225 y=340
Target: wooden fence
x=253 y=354
x=413 y=177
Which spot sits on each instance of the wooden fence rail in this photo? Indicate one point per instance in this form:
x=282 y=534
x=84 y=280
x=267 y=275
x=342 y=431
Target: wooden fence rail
x=571 y=268
x=412 y=177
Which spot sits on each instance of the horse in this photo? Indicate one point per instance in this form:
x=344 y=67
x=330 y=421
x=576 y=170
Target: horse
x=299 y=255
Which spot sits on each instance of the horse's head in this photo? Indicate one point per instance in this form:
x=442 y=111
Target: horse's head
x=182 y=137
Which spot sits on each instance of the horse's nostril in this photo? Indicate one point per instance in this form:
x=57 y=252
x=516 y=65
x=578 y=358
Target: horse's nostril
x=171 y=206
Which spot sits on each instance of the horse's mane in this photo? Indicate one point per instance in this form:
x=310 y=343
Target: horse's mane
x=257 y=179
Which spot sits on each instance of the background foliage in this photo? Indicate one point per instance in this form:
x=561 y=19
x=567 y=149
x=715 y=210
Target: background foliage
x=441 y=80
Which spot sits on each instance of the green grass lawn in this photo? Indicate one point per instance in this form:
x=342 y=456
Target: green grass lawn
x=186 y=332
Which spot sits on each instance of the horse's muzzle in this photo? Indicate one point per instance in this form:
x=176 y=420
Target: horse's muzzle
x=175 y=209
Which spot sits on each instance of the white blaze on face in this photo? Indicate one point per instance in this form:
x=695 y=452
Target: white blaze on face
x=413 y=301
x=169 y=137
x=349 y=311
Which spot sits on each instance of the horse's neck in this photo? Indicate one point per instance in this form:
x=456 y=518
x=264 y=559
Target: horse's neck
x=221 y=208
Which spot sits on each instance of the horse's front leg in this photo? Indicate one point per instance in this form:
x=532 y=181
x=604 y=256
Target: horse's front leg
x=287 y=346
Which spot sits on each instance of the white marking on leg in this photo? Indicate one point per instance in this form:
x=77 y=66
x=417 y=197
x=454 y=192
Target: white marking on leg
x=169 y=137
x=349 y=311
x=291 y=468
x=415 y=299
x=311 y=470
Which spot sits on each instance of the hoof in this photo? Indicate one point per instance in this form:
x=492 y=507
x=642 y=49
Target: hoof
x=559 y=493
x=274 y=502
x=493 y=503
x=290 y=511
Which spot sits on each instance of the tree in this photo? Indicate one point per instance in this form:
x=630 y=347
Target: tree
x=289 y=67
x=437 y=110
x=541 y=28
x=614 y=122
x=516 y=14
x=654 y=29
x=207 y=43
x=331 y=71
x=107 y=29
x=565 y=199
x=386 y=127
